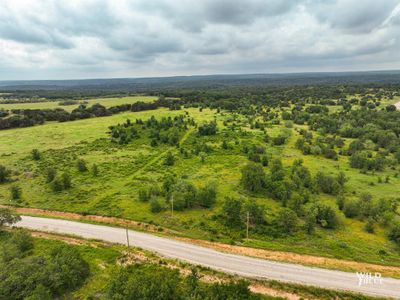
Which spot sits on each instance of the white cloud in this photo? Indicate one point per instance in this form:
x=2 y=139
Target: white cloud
x=88 y=38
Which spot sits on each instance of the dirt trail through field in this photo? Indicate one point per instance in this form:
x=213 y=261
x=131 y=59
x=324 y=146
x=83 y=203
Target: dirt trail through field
x=159 y=156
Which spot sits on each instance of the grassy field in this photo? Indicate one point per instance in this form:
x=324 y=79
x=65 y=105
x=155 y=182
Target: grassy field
x=123 y=169
x=107 y=102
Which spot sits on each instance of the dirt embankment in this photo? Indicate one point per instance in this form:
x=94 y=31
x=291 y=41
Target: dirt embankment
x=87 y=218
x=317 y=261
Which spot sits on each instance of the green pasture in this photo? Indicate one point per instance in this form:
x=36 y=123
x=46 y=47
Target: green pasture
x=123 y=169
x=107 y=102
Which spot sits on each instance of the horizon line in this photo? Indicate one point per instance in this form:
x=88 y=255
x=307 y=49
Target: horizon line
x=207 y=75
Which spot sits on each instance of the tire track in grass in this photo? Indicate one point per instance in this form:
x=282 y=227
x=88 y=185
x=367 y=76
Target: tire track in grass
x=161 y=155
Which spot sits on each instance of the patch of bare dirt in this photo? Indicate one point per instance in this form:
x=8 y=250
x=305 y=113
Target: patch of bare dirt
x=128 y=258
x=261 y=289
x=93 y=218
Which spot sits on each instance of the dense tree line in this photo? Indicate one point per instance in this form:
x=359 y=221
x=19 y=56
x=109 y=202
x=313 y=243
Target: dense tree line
x=166 y=130
x=29 y=117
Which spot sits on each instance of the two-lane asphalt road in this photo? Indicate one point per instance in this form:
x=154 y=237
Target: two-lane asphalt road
x=229 y=263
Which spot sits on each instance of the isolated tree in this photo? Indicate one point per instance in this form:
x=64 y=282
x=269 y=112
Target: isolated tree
x=232 y=212
x=394 y=233
x=310 y=222
x=95 y=170
x=255 y=211
x=203 y=156
x=81 y=165
x=351 y=209
x=370 y=225
x=277 y=171
x=168 y=183
x=66 y=180
x=15 y=192
x=207 y=195
x=144 y=194
x=57 y=184
x=36 y=155
x=341 y=179
x=50 y=174
x=169 y=159
x=253 y=177
x=391 y=108
x=265 y=160
x=8 y=217
x=325 y=215
x=340 y=201
x=155 y=205
x=208 y=128
x=4 y=174
x=185 y=195
x=287 y=221
x=329 y=184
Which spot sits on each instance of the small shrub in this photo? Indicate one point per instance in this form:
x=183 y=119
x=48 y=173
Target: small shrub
x=155 y=206
x=81 y=165
x=15 y=192
x=169 y=159
x=36 y=155
x=50 y=174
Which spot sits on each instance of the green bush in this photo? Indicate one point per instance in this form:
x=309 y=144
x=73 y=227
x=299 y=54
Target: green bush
x=325 y=215
x=394 y=233
x=156 y=206
x=36 y=155
x=37 y=277
x=253 y=177
x=351 y=209
x=50 y=174
x=151 y=282
x=15 y=192
x=4 y=174
x=287 y=221
x=81 y=165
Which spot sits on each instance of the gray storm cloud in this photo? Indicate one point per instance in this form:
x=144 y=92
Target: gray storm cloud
x=88 y=38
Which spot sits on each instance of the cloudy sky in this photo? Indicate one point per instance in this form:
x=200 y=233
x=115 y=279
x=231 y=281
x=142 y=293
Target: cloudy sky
x=44 y=39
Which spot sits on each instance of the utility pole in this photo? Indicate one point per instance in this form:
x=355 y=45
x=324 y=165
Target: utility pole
x=127 y=236
x=172 y=206
x=247 y=225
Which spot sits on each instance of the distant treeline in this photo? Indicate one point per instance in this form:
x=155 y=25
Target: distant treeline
x=145 y=85
x=17 y=118
x=247 y=100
